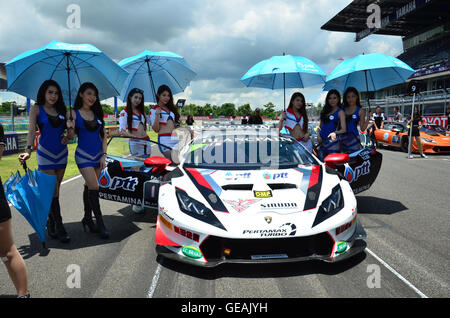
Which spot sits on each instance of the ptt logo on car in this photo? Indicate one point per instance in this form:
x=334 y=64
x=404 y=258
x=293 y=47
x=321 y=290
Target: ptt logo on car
x=105 y=181
x=353 y=175
x=268 y=176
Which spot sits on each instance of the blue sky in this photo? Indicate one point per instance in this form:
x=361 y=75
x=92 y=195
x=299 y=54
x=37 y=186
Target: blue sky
x=220 y=39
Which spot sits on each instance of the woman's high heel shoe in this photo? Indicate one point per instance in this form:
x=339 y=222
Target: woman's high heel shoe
x=89 y=223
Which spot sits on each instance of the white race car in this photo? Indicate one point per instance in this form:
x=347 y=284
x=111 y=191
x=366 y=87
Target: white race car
x=245 y=198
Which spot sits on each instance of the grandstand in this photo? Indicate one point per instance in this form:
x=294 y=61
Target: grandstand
x=425 y=29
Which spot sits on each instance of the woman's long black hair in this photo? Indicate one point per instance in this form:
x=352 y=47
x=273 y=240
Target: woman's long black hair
x=130 y=108
x=324 y=118
x=96 y=108
x=59 y=105
x=170 y=104
x=302 y=110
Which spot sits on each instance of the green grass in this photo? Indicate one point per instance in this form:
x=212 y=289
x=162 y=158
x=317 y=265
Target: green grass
x=10 y=164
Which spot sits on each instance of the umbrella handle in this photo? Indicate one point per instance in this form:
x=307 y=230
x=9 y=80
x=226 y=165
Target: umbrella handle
x=24 y=165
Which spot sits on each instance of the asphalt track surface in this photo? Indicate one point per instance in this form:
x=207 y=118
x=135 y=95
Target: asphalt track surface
x=405 y=214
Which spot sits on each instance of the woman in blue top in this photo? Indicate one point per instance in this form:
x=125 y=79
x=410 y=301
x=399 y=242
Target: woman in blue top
x=354 y=116
x=331 y=124
x=49 y=115
x=90 y=155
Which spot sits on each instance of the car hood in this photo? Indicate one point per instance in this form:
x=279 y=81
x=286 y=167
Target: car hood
x=254 y=191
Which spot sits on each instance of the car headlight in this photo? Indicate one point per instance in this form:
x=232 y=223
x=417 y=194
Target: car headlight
x=196 y=209
x=330 y=206
x=428 y=140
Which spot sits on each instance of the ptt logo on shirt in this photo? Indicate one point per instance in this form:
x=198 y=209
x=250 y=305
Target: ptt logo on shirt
x=105 y=181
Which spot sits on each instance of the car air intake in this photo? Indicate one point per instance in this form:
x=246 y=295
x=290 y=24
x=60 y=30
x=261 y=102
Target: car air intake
x=319 y=244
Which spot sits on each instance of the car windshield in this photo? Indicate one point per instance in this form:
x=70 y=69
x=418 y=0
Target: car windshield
x=241 y=151
x=433 y=130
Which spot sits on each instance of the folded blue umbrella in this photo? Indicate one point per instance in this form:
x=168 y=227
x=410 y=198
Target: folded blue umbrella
x=32 y=196
x=368 y=73
x=70 y=65
x=281 y=72
x=149 y=70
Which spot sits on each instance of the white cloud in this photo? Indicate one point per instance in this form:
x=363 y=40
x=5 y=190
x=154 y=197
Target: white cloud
x=221 y=40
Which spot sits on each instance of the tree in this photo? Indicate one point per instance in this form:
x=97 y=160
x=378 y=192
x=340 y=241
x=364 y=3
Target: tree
x=227 y=110
x=107 y=110
x=244 y=110
x=269 y=110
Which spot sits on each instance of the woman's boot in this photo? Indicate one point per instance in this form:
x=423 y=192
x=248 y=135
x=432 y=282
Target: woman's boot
x=56 y=213
x=87 y=219
x=95 y=205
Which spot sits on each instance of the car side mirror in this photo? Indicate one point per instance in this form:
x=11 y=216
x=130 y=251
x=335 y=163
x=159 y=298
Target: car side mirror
x=159 y=164
x=336 y=159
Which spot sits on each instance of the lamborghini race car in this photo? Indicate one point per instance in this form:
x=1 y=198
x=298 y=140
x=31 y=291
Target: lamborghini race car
x=396 y=134
x=246 y=197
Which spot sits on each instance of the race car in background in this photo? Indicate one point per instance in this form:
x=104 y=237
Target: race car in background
x=396 y=134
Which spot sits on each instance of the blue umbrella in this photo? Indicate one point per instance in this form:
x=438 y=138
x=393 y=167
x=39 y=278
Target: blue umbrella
x=32 y=195
x=70 y=65
x=285 y=71
x=368 y=73
x=149 y=70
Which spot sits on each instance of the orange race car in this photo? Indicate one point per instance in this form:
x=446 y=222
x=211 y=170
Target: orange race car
x=395 y=134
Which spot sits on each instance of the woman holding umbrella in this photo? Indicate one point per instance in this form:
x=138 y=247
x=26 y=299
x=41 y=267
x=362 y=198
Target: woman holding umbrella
x=90 y=155
x=8 y=251
x=295 y=119
x=354 y=116
x=132 y=123
x=416 y=124
x=331 y=123
x=49 y=114
x=163 y=118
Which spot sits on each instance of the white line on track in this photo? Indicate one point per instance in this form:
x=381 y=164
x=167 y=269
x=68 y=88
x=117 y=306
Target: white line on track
x=154 y=281
x=397 y=274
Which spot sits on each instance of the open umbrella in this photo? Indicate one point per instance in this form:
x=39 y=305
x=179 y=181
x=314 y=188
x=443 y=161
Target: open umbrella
x=70 y=65
x=281 y=72
x=149 y=70
x=32 y=195
x=368 y=73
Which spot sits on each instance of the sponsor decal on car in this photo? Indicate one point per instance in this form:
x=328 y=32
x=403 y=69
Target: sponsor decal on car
x=192 y=252
x=229 y=176
x=241 y=205
x=287 y=229
x=281 y=175
x=341 y=247
x=278 y=205
x=354 y=174
x=263 y=194
x=120 y=198
x=128 y=183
